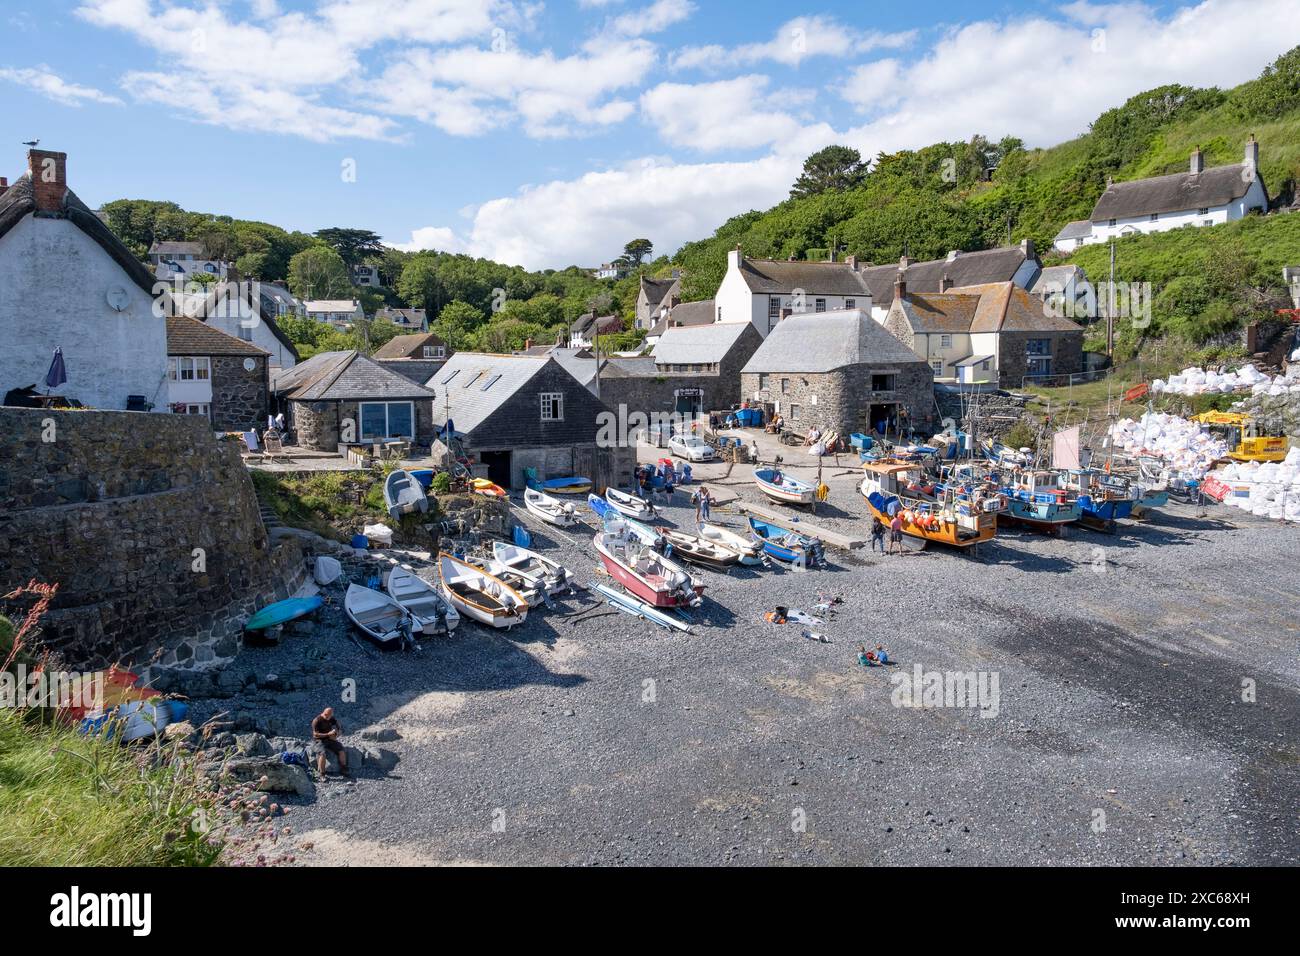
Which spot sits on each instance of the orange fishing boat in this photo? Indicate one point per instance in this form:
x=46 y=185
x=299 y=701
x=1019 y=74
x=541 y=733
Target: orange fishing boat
x=929 y=512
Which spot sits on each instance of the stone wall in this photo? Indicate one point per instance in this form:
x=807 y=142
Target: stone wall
x=151 y=529
x=997 y=411
x=316 y=425
x=1013 y=362
x=841 y=400
x=240 y=397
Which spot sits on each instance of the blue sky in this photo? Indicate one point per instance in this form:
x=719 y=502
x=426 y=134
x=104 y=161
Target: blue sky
x=547 y=134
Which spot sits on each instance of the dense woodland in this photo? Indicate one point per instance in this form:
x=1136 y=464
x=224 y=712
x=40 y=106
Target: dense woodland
x=970 y=195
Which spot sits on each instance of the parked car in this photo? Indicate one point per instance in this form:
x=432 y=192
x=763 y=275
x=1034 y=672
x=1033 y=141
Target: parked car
x=690 y=447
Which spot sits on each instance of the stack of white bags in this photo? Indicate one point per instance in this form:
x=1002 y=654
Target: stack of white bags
x=1187 y=448
x=1199 y=381
x=1288 y=384
x=1273 y=488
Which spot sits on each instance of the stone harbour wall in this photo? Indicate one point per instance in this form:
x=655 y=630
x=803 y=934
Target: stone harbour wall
x=151 y=529
x=240 y=397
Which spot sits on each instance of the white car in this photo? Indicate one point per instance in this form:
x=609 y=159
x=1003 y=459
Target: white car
x=690 y=447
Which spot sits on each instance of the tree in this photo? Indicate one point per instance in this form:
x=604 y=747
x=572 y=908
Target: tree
x=419 y=284
x=835 y=167
x=352 y=245
x=319 y=273
x=456 y=323
x=638 y=250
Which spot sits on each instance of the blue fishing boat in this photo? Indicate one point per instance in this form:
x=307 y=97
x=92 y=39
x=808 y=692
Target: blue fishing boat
x=1103 y=498
x=786 y=545
x=1040 y=500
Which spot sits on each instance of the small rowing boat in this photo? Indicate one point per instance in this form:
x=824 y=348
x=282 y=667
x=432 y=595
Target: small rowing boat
x=786 y=545
x=481 y=486
x=750 y=552
x=378 y=616
x=433 y=613
x=646 y=573
x=479 y=595
x=403 y=494
x=699 y=550
x=781 y=487
x=573 y=485
x=631 y=506
x=550 y=510
x=542 y=573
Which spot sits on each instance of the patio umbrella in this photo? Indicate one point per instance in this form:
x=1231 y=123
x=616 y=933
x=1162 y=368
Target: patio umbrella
x=57 y=374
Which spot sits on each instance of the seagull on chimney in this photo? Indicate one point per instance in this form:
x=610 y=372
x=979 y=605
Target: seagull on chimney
x=34 y=143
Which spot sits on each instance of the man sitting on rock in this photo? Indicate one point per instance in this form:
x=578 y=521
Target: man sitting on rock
x=325 y=730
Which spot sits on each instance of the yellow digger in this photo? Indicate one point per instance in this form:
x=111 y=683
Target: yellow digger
x=1242 y=436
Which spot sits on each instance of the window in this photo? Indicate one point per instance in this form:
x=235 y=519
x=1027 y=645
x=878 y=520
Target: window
x=763 y=380
x=245 y=332
x=850 y=303
x=794 y=413
x=945 y=341
x=1208 y=222
x=387 y=420
x=785 y=383
x=1203 y=212
x=984 y=365
x=821 y=305
x=1112 y=222
x=882 y=383
x=1078 y=243
x=433 y=351
x=774 y=307
x=1038 y=347
x=453 y=374
x=197 y=409
x=1155 y=217
x=552 y=406
x=187 y=369
x=472 y=379
x=937 y=365
x=490 y=382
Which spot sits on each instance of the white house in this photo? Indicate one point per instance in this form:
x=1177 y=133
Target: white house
x=1199 y=197
x=67 y=282
x=179 y=260
x=583 y=331
x=228 y=307
x=278 y=300
x=762 y=291
x=366 y=275
x=337 y=312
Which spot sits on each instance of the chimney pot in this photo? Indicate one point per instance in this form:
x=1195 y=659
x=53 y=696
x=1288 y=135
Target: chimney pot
x=945 y=283
x=900 y=285
x=1198 y=161
x=953 y=254
x=49 y=175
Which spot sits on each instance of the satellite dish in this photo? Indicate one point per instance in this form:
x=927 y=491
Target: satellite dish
x=117 y=299
x=249 y=364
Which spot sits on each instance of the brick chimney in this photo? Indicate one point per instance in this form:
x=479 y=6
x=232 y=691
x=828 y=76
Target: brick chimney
x=49 y=178
x=945 y=283
x=900 y=285
x=528 y=343
x=4 y=185
x=851 y=262
x=904 y=261
x=1198 y=161
x=1252 y=152
x=1027 y=247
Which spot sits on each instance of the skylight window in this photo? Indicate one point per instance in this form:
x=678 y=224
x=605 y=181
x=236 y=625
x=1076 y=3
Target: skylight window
x=453 y=374
x=474 y=378
x=490 y=382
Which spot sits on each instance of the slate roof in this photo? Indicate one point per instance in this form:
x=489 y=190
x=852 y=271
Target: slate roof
x=458 y=386
x=582 y=324
x=1057 y=279
x=699 y=344
x=404 y=316
x=773 y=276
x=218 y=302
x=17 y=202
x=407 y=346
x=186 y=336
x=686 y=314
x=1079 y=229
x=825 y=341
x=344 y=376
x=1217 y=186
x=169 y=247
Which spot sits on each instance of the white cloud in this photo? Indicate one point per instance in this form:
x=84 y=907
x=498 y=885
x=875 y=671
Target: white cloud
x=437 y=238
x=728 y=114
x=44 y=81
x=658 y=16
x=794 y=41
x=1045 y=79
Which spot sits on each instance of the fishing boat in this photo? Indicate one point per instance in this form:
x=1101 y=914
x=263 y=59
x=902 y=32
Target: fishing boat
x=1104 y=498
x=573 y=485
x=481 y=486
x=929 y=512
x=786 y=545
x=637 y=608
x=781 y=487
x=1038 y=499
x=550 y=510
x=403 y=494
x=542 y=573
x=481 y=596
x=630 y=505
x=378 y=616
x=1151 y=479
x=281 y=612
x=750 y=552
x=699 y=550
x=646 y=573
x=432 y=611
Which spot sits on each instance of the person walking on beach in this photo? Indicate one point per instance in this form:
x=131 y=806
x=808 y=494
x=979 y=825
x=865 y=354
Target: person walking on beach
x=325 y=730
x=877 y=535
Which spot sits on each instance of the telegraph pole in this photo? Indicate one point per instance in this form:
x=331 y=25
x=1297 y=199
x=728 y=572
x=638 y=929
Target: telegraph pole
x=1110 y=305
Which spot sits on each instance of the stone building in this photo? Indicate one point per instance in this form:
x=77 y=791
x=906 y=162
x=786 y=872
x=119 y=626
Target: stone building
x=840 y=371
x=655 y=299
x=214 y=374
x=346 y=398
x=996 y=333
x=513 y=412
